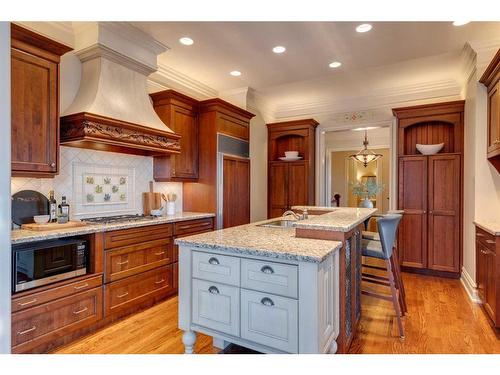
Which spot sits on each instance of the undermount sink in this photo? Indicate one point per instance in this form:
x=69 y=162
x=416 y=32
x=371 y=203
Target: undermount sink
x=280 y=223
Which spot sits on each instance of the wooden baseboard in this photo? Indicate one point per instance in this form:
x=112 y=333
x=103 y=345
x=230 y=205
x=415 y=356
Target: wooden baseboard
x=427 y=272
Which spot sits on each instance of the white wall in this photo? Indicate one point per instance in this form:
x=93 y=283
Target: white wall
x=5 y=261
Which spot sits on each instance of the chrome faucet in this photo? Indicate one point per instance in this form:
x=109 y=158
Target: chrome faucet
x=304 y=215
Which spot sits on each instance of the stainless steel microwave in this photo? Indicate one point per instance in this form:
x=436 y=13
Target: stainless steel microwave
x=40 y=263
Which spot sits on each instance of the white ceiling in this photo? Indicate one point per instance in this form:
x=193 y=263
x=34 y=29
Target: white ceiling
x=383 y=56
x=353 y=140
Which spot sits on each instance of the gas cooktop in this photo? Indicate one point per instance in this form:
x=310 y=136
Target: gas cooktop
x=117 y=219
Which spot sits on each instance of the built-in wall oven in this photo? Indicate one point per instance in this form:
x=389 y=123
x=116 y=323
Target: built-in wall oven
x=40 y=263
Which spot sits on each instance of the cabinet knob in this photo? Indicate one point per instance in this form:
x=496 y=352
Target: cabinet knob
x=52 y=164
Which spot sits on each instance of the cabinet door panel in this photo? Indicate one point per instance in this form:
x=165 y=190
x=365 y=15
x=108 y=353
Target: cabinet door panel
x=278 y=195
x=185 y=165
x=491 y=282
x=444 y=213
x=494 y=119
x=33 y=114
x=236 y=190
x=297 y=184
x=481 y=278
x=413 y=200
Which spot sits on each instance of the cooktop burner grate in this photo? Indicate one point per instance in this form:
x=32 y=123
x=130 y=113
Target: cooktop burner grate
x=117 y=219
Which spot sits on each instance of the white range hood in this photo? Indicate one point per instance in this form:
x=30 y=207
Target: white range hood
x=112 y=109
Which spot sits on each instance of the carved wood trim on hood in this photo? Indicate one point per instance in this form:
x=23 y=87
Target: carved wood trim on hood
x=87 y=130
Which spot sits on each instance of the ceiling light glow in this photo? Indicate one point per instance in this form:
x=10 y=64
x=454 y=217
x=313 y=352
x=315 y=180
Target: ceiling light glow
x=279 y=49
x=460 y=23
x=363 y=28
x=335 y=64
x=186 y=41
x=235 y=73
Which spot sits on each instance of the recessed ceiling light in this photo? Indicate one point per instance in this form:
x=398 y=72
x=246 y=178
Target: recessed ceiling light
x=279 y=49
x=186 y=41
x=460 y=23
x=363 y=28
x=334 y=64
x=235 y=73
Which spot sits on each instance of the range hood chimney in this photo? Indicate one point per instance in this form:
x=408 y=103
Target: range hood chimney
x=112 y=110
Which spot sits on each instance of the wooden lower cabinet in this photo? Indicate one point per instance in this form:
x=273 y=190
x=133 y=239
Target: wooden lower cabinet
x=488 y=273
x=134 y=290
x=37 y=325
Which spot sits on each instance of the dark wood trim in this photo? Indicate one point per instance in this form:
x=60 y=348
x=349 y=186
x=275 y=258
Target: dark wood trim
x=294 y=124
x=87 y=130
x=429 y=109
x=166 y=97
x=220 y=105
x=492 y=71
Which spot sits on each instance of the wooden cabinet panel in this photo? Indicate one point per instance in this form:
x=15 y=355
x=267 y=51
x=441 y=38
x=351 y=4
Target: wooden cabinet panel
x=481 y=272
x=278 y=191
x=193 y=226
x=413 y=200
x=38 y=298
x=34 y=114
x=444 y=213
x=179 y=112
x=490 y=303
x=234 y=127
x=132 y=291
x=236 y=191
x=41 y=324
x=34 y=103
x=297 y=184
x=124 y=237
x=131 y=260
x=494 y=119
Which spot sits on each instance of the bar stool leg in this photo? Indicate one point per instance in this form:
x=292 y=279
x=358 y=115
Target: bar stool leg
x=399 y=281
x=395 y=298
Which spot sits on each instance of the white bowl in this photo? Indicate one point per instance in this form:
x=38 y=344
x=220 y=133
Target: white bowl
x=41 y=219
x=429 y=149
x=291 y=154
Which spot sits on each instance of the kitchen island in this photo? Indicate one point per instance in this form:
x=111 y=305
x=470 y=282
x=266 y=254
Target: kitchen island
x=275 y=287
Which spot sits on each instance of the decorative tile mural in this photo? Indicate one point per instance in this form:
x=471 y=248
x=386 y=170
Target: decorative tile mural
x=77 y=164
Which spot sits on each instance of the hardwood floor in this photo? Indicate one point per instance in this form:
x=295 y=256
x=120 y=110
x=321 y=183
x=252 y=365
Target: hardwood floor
x=440 y=319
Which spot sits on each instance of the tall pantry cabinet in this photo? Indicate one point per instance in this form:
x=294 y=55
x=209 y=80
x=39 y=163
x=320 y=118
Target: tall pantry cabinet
x=430 y=188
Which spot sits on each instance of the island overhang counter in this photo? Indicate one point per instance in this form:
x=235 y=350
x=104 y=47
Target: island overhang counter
x=270 y=290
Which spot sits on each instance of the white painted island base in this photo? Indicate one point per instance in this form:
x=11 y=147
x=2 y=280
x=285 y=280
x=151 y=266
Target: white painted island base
x=268 y=304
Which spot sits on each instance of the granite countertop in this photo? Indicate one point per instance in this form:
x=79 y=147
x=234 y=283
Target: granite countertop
x=337 y=219
x=23 y=235
x=252 y=239
x=490 y=226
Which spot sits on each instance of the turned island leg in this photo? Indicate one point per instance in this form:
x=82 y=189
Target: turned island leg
x=189 y=339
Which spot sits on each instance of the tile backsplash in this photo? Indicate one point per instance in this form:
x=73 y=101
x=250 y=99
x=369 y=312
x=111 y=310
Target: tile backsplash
x=68 y=184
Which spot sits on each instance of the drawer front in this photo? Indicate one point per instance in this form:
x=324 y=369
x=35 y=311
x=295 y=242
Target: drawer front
x=270 y=320
x=269 y=277
x=41 y=324
x=126 y=293
x=215 y=267
x=193 y=226
x=36 y=299
x=130 y=260
x=487 y=239
x=216 y=306
x=131 y=236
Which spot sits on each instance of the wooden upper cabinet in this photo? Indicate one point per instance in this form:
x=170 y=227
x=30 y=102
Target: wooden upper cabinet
x=34 y=103
x=290 y=183
x=491 y=79
x=180 y=113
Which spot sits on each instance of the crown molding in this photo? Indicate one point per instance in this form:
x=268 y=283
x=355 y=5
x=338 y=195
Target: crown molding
x=468 y=63
x=378 y=98
x=168 y=77
x=485 y=50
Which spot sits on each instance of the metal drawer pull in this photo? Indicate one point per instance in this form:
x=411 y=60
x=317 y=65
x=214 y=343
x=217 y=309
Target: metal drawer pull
x=27 y=331
x=479 y=234
x=267 y=269
x=267 y=301
x=213 y=290
x=491 y=241
x=122 y=263
x=160 y=253
x=81 y=286
x=80 y=311
x=213 y=261
x=159 y=282
x=26 y=303
x=484 y=252
x=122 y=295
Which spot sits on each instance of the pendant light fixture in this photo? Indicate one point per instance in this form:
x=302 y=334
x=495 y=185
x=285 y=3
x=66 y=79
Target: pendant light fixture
x=365 y=156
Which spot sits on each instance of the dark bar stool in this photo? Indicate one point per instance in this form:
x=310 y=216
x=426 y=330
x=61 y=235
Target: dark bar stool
x=383 y=249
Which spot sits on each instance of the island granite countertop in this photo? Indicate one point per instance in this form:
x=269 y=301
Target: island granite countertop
x=336 y=219
x=23 y=235
x=253 y=239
